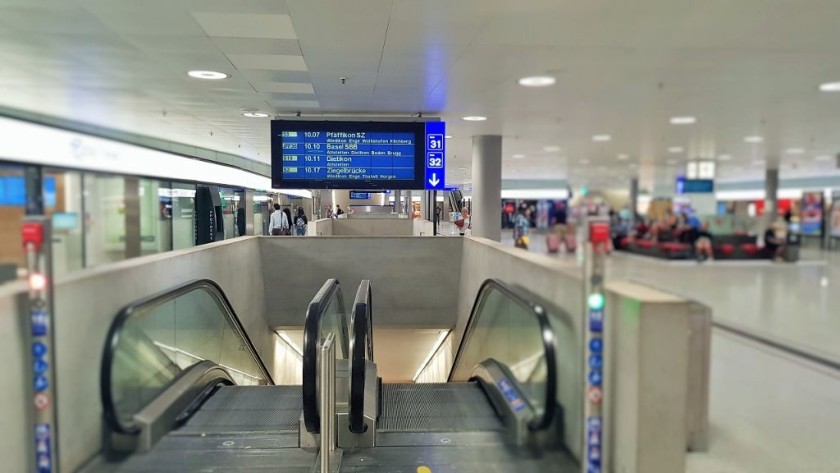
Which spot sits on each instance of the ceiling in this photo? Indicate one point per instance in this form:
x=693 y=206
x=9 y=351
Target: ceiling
x=750 y=67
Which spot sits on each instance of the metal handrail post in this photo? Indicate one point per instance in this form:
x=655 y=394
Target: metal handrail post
x=327 y=398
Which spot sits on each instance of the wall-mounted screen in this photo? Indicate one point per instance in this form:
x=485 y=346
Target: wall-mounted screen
x=347 y=155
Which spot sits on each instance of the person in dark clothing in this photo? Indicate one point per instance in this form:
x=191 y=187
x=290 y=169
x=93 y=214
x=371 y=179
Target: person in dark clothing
x=288 y=214
x=300 y=222
x=775 y=240
x=338 y=211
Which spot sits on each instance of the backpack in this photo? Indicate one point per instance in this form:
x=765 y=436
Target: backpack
x=299 y=222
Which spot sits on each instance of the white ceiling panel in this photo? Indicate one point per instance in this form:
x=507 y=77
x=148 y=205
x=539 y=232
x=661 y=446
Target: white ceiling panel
x=293 y=105
x=285 y=87
x=142 y=18
x=286 y=47
x=246 y=25
x=271 y=62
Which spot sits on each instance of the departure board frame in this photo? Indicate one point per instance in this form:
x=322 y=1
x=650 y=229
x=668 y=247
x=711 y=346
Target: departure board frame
x=281 y=181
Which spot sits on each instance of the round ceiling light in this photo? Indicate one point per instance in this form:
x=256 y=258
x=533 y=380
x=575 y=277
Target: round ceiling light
x=475 y=118
x=754 y=139
x=518 y=156
x=683 y=120
x=537 y=81
x=551 y=149
x=830 y=87
x=676 y=149
x=795 y=151
x=823 y=157
x=622 y=157
x=601 y=138
x=255 y=115
x=207 y=75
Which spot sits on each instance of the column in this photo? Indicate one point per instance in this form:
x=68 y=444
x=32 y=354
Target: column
x=487 y=186
x=424 y=205
x=131 y=194
x=771 y=191
x=247 y=203
x=397 y=199
x=408 y=207
x=634 y=197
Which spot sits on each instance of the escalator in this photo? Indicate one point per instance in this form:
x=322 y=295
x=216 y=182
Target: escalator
x=184 y=389
x=498 y=411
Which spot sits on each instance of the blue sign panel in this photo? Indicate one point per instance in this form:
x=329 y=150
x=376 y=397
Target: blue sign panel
x=596 y=321
x=435 y=178
x=511 y=395
x=699 y=186
x=359 y=195
x=43 y=453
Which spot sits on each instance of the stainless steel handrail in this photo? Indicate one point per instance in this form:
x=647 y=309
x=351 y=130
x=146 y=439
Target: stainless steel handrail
x=327 y=379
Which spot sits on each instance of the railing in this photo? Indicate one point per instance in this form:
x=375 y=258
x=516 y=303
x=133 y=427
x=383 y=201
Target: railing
x=325 y=315
x=153 y=341
x=361 y=350
x=327 y=401
x=507 y=326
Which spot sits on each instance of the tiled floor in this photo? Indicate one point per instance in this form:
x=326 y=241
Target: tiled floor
x=770 y=412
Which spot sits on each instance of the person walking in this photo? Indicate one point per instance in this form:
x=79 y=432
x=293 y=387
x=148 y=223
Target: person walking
x=300 y=222
x=279 y=222
x=521 y=227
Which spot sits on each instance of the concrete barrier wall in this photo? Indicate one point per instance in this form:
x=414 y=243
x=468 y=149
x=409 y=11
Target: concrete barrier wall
x=86 y=303
x=370 y=226
x=415 y=279
x=16 y=447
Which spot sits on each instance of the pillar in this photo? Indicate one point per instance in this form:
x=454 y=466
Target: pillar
x=424 y=205
x=634 y=197
x=247 y=201
x=486 y=214
x=397 y=200
x=131 y=195
x=771 y=191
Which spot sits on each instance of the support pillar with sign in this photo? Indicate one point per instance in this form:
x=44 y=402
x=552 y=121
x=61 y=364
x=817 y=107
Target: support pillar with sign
x=594 y=346
x=36 y=236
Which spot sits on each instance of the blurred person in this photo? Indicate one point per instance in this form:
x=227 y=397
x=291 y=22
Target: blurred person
x=300 y=222
x=464 y=223
x=338 y=211
x=703 y=247
x=521 y=227
x=278 y=223
x=775 y=240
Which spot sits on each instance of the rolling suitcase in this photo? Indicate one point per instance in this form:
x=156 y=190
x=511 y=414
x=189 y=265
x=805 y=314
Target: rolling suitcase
x=553 y=243
x=571 y=242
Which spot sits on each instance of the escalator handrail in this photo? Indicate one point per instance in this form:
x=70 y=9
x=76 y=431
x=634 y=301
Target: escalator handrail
x=311 y=344
x=547 y=336
x=113 y=338
x=361 y=350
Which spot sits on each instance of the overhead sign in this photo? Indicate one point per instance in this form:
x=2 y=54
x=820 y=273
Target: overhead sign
x=359 y=195
x=435 y=178
x=349 y=155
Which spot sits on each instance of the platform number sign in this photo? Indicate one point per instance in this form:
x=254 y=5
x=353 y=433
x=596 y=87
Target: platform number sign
x=435 y=156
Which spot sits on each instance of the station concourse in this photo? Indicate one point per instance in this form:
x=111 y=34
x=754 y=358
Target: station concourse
x=401 y=236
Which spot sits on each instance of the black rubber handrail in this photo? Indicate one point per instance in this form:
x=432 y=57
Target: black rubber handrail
x=547 y=336
x=113 y=338
x=311 y=344
x=361 y=350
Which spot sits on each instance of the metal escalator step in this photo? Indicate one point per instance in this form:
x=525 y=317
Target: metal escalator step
x=449 y=407
x=248 y=409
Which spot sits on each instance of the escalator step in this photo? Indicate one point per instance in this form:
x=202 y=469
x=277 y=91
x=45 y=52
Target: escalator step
x=248 y=409
x=450 y=407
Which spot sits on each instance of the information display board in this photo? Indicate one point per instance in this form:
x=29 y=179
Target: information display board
x=348 y=155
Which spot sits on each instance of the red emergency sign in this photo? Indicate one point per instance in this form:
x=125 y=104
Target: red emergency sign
x=33 y=233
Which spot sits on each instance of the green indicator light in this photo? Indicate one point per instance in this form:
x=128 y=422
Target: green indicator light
x=596 y=301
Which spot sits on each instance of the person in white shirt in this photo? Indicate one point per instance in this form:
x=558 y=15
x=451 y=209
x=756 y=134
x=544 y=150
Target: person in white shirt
x=279 y=223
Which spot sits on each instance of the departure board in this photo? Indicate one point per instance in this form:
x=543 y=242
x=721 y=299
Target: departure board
x=342 y=155
x=347 y=155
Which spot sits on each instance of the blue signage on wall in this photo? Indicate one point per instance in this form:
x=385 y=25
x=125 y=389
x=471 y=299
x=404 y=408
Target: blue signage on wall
x=435 y=178
x=359 y=195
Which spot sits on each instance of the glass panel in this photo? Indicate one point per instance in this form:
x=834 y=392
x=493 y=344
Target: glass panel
x=160 y=340
x=262 y=203
x=155 y=217
x=104 y=219
x=229 y=205
x=63 y=201
x=183 y=209
x=334 y=321
x=508 y=332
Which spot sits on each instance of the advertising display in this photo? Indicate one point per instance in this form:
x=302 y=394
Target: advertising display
x=357 y=155
x=812 y=213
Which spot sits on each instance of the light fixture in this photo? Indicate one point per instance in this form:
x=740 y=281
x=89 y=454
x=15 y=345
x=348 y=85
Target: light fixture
x=754 y=139
x=795 y=151
x=537 y=81
x=830 y=87
x=255 y=115
x=584 y=161
x=448 y=137
x=622 y=157
x=551 y=149
x=683 y=120
x=724 y=157
x=601 y=138
x=823 y=157
x=518 y=156
x=475 y=118
x=676 y=149
x=207 y=75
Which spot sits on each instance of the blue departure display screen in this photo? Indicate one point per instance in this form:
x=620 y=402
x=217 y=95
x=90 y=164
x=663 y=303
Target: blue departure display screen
x=347 y=155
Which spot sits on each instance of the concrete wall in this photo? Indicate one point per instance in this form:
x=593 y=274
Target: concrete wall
x=414 y=279
x=16 y=449
x=370 y=226
x=86 y=303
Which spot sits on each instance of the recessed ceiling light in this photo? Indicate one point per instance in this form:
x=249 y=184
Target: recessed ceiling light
x=754 y=139
x=601 y=138
x=830 y=87
x=622 y=157
x=551 y=149
x=676 y=149
x=683 y=120
x=448 y=137
x=584 y=161
x=724 y=157
x=255 y=114
x=823 y=157
x=207 y=75
x=475 y=118
x=537 y=81
x=518 y=156
x=795 y=151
